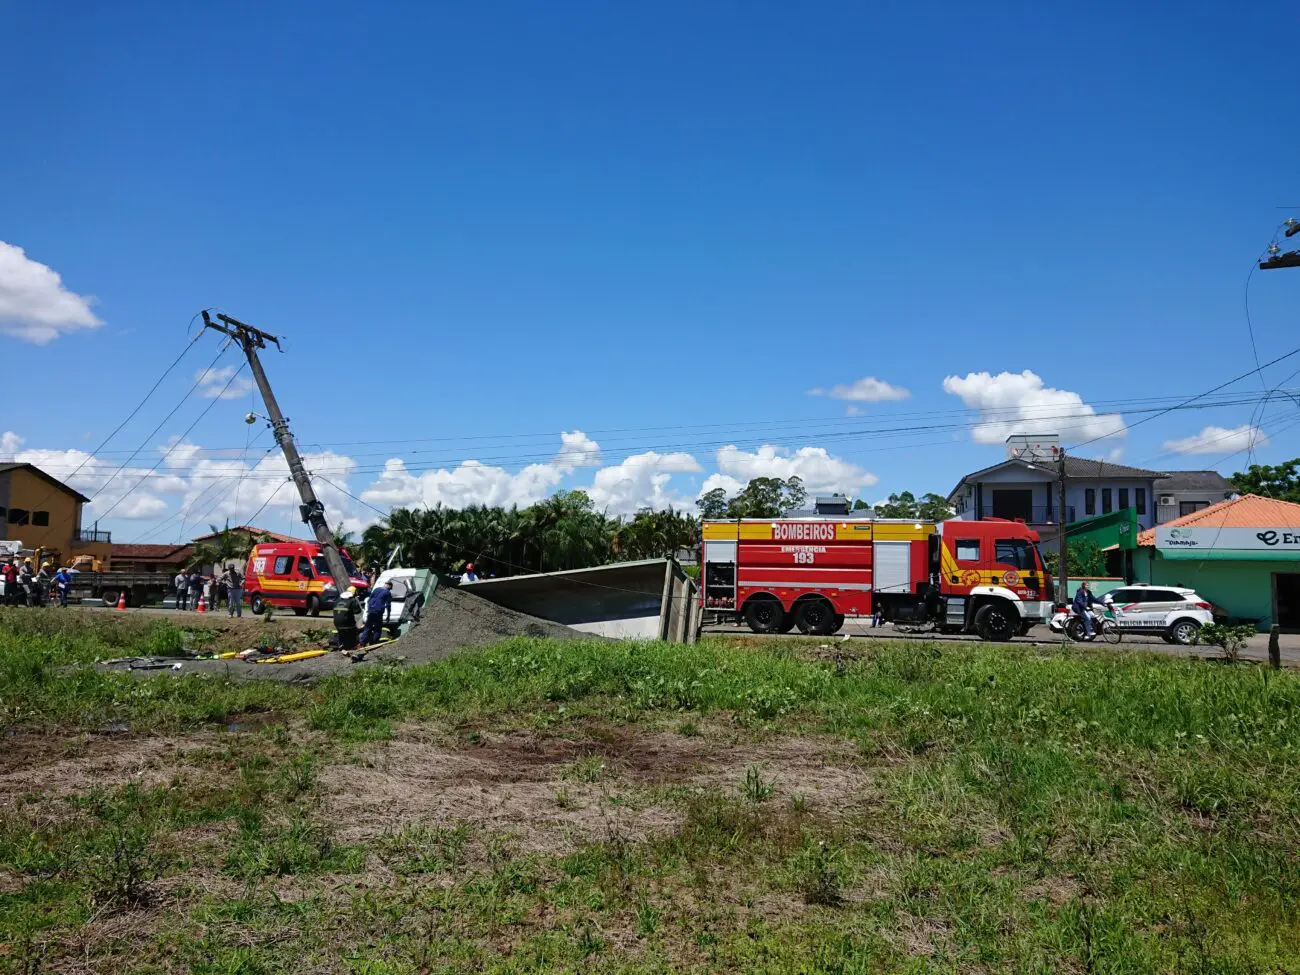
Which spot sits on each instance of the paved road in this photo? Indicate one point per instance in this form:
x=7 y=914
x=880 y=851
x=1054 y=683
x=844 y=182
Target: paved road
x=1256 y=648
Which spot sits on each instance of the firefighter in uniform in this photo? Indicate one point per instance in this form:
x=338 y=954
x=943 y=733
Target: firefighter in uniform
x=345 y=619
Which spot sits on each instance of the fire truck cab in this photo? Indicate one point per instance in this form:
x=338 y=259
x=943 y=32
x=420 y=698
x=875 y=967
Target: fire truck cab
x=984 y=577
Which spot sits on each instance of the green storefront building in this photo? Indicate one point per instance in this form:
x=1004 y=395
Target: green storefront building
x=1243 y=555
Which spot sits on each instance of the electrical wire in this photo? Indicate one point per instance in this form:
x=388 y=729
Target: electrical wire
x=167 y=453
x=1198 y=396
x=97 y=451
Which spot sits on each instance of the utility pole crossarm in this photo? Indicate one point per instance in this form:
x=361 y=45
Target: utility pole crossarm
x=251 y=339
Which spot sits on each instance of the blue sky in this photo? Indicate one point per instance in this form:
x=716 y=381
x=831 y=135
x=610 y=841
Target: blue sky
x=486 y=225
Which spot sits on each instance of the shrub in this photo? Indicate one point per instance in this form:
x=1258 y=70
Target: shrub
x=1229 y=638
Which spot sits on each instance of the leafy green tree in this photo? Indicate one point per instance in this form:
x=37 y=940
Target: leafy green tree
x=713 y=504
x=1086 y=560
x=767 y=497
x=931 y=507
x=1281 y=481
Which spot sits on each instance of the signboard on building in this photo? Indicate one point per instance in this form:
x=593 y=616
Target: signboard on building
x=1281 y=540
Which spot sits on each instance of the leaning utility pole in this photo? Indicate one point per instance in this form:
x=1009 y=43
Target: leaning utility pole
x=1062 y=548
x=1276 y=257
x=251 y=339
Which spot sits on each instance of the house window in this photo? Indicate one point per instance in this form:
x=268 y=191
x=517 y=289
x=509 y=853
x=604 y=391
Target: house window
x=1089 y=501
x=1123 y=498
x=1106 y=506
x=41 y=519
x=1140 y=500
x=18 y=516
x=968 y=550
x=1184 y=507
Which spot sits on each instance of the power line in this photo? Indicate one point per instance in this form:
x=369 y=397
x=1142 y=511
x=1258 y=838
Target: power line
x=869 y=433
x=176 y=443
x=1198 y=396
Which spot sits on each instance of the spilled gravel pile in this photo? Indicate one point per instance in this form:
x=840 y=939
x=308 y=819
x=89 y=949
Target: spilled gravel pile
x=453 y=621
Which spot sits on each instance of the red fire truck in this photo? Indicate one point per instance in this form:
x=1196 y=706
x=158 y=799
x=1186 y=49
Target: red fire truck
x=984 y=577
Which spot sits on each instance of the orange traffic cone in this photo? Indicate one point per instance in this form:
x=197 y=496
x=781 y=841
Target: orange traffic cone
x=202 y=606
x=121 y=601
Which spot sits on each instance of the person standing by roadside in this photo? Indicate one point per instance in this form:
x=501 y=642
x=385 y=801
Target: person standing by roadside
x=182 y=584
x=194 y=582
x=377 y=609
x=234 y=592
x=9 y=572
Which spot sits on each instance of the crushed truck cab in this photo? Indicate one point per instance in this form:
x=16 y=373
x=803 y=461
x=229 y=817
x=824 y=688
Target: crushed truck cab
x=984 y=577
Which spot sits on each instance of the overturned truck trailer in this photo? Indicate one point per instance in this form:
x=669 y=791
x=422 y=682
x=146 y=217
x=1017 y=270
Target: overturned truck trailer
x=649 y=600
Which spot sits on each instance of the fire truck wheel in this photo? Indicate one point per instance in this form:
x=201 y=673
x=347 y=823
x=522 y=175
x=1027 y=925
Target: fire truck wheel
x=994 y=623
x=313 y=605
x=764 y=615
x=815 y=617
x=255 y=604
x=787 y=624
x=839 y=622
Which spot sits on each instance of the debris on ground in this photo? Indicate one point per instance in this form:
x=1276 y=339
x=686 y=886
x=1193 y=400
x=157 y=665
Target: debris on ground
x=453 y=620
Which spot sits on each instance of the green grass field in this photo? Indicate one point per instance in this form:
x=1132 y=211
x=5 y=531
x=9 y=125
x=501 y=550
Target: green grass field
x=872 y=807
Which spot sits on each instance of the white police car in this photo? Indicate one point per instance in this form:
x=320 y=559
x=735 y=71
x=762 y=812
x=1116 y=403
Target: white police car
x=1174 y=613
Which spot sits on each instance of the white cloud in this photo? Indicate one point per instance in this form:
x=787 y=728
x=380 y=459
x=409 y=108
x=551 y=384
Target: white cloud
x=868 y=389
x=1018 y=403
x=820 y=472
x=470 y=483
x=577 y=450
x=34 y=304
x=131 y=493
x=1218 y=440
x=9 y=444
x=641 y=481
x=731 y=485
x=222 y=383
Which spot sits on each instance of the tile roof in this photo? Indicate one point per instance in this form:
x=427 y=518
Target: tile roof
x=1211 y=482
x=250 y=530
x=156 y=553
x=1247 y=511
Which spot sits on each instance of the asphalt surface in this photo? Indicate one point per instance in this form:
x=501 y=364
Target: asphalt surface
x=1256 y=647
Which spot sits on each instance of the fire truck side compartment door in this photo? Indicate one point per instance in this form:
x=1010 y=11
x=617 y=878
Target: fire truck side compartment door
x=719 y=551
x=891 y=567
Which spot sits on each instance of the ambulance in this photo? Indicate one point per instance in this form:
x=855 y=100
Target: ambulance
x=293 y=575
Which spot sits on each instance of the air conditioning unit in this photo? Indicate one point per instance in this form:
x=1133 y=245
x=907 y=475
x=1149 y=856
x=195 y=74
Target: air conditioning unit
x=1167 y=499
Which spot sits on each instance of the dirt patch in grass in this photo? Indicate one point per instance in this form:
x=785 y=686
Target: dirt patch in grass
x=554 y=793
x=58 y=766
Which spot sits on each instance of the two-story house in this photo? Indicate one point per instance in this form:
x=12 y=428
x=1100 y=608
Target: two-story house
x=1027 y=486
x=1030 y=490
x=1184 y=493
x=43 y=513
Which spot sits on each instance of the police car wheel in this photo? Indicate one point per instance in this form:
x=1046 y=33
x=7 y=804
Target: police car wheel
x=1184 y=631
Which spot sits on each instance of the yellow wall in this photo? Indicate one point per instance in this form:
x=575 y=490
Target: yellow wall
x=23 y=489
